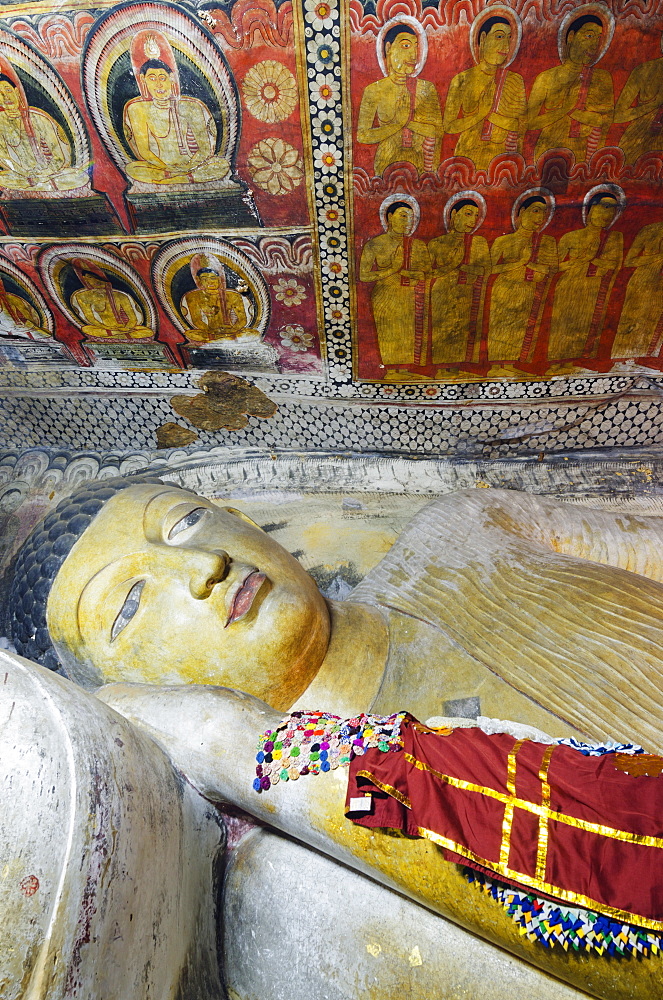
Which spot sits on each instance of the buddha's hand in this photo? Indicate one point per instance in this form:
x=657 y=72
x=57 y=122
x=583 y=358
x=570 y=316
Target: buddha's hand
x=486 y=101
x=402 y=110
x=209 y=733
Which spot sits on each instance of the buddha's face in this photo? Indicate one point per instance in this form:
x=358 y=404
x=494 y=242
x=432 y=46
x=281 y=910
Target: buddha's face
x=602 y=214
x=400 y=221
x=465 y=219
x=495 y=45
x=533 y=217
x=9 y=100
x=403 y=54
x=584 y=43
x=93 y=280
x=209 y=282
x=158 y=84
x=166 y=587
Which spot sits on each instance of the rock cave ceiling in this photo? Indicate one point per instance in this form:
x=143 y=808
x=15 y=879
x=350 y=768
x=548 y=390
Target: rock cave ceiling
x=420 y=227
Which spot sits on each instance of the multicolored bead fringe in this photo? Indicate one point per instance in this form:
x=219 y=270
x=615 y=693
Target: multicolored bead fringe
x=548 y=923
x=599 y=749
x=310 y=742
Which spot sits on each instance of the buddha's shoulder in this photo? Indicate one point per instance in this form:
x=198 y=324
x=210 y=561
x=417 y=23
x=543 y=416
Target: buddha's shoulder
x=193 y=103
x=379 y=87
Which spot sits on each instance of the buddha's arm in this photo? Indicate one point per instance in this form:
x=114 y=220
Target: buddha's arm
x=599 y=108
x=454 y=122
x=210 y=735
x=444 y=260
x=427 y=118
x=624 y=110
x=369 y=133
x=547 y=262
x=538 y=119
x=513 y=105
x=498 y=265
x=85 y=309
x=367 y=271
x=567 y=257
x=197 y=117
x=47 y=134
x=645 y=249
x=613 y=253
x=236 y=307
x=132 y=307
x=141 y=135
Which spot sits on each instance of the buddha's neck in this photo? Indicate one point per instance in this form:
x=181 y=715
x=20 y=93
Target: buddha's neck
x=351 y=672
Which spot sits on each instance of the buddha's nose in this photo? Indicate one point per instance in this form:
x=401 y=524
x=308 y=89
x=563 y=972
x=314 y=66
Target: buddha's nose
x=209 y=568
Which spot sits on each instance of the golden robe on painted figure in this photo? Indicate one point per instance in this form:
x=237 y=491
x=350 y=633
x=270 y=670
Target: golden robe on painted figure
x=106 y=312
x=589 y=259
x=35 y=153
x=460 y=260
x=486 y=104
x=644 y=133
x=407 y=110
x=397 y=265
x=573 y=104
x=172 y=136
x=524 y=263
x=640 y=330
x=17 y=316
x=214 y=311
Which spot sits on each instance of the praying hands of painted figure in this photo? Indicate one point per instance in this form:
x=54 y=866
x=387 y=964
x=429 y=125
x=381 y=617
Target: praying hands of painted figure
x=401 y=114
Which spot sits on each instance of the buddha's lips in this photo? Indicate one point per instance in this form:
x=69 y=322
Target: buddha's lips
x=243 y=599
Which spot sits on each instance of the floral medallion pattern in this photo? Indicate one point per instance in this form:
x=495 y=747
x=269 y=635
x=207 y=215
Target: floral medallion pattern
x=270 y=91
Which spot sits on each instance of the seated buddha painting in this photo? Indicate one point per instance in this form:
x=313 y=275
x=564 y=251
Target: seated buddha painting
x=45 y=158
x=215 y=296
x=23 y=311
x=164 y=103
x=98 y=293
x=211 y=291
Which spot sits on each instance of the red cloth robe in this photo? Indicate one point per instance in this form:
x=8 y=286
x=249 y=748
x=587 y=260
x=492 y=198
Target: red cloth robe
x=586 y=830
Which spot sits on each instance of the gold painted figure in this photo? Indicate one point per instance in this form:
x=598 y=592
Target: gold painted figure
x=106 y=311
x=460 y=260
x=573 y=104
x=397 y=265
x=486 y=104
x=589 y=259
x=35 y=153
x=172 y=136
x=18 y=318
x=409 y=118
x=645 y=131
x=640 y=330
x=214 y=311
x=524 y=262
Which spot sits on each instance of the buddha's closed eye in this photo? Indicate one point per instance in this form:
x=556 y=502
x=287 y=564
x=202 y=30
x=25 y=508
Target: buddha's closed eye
x=187 y=521
x=128 y=609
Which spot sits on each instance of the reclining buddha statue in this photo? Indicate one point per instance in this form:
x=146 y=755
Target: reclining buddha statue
x=202 y=631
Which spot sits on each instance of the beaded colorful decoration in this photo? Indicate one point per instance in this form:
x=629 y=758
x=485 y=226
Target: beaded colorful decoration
x=310 y=742
x=599 y=749
x=547 y=923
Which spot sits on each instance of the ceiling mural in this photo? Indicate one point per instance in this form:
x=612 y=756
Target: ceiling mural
x=387 y=199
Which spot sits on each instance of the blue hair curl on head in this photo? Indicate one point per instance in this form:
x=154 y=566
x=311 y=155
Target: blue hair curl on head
x=33 y=571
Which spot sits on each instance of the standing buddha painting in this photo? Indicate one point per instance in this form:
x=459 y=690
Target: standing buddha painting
x=507 y=167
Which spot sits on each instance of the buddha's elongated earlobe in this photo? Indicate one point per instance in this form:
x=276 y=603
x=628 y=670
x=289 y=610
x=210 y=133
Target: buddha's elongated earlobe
x=242 y=516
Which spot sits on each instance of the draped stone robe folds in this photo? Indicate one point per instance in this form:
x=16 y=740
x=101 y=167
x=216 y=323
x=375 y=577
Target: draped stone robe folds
x=507 y=594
